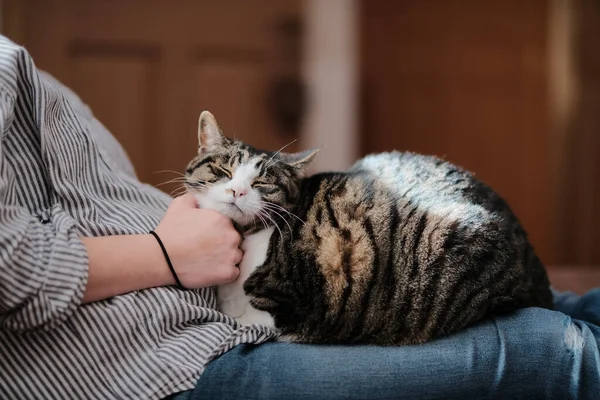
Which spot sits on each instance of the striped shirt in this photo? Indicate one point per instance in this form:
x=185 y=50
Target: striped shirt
x=63 y=176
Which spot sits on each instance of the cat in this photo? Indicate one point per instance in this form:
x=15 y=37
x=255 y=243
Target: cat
x=400 y=249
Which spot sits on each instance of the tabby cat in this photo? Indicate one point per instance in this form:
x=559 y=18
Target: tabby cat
x=400 y=249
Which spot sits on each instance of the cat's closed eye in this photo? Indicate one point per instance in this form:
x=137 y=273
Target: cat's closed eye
x=226 y=172
x=220 y=171
x=260 y=183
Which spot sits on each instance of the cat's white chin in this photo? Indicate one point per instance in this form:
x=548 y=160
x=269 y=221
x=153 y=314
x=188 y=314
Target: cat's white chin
x=228 y=209
x=236 y=213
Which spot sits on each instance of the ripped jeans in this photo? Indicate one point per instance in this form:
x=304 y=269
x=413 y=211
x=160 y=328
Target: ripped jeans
x=531 y=354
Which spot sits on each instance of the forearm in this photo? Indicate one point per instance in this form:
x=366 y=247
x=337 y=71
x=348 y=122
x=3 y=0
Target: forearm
x=122 y=264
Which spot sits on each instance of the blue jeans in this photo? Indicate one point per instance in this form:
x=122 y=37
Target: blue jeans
x=531 y=354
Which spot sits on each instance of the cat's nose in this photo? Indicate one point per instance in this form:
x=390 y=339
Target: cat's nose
x=238 y=192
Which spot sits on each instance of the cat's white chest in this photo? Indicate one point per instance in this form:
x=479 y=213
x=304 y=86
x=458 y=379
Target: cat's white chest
x=231 y=298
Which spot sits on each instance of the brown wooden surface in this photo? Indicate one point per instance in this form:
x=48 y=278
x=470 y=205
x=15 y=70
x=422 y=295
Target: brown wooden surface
x=148 y=68
x=465 y=80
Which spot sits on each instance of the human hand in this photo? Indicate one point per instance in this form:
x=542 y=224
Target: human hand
x=202 y=244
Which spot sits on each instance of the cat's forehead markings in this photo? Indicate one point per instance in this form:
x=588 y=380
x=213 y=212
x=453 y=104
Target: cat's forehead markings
x=246 y=171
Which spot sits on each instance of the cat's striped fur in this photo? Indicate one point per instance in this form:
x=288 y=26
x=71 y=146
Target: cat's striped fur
x=400 y=249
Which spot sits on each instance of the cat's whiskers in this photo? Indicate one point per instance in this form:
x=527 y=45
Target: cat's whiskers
x=174 y=180
x=178 y=191
x=256 y=212
x=168 y=171
x=279 y=151
x=273 y=163
x=266 y=215
x=189 y=187
x=278 y=207
x=280 y=216
x=253 y=221
x=179 y=178
x=284 y=220
x=274 y=210
x=263 y=221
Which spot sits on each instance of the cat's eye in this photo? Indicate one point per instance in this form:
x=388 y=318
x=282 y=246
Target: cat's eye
x=260 y=184
x=226 y=172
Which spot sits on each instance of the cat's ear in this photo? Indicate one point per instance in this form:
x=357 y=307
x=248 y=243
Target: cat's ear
x=298 y=160
x=209 y=134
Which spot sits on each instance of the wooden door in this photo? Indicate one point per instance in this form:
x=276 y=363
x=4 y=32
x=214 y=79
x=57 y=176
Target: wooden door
x=466 y=80
x=148 y=68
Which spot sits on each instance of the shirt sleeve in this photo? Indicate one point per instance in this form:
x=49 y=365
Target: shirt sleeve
x=43 y=262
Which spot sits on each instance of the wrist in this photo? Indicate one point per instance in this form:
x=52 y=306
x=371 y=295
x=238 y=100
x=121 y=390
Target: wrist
x=160 y=274
x=167 y=260
x=121 y=264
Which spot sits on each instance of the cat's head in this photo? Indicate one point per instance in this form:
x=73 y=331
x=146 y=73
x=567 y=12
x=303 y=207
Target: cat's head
x=245 y=184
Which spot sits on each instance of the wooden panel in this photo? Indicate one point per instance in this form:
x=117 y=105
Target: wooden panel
x=223 y=84
x=148 y=68
x=117 y=85
x=465 y=80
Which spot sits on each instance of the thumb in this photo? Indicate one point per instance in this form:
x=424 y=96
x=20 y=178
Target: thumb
x=187 y=200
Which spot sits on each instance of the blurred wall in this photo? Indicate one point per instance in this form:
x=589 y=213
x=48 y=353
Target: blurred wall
x=507 y=89
x=330 y=68
x=466 y=80
x=580 y=169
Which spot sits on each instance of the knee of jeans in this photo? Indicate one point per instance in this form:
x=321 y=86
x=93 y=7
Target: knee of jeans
x=554 y=327
x=573 y=337
x=561 y=334
x=538 y=325
x=588 y=307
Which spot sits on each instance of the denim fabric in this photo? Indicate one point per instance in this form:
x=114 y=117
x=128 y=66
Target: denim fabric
x=531 y=354
x=585 y=308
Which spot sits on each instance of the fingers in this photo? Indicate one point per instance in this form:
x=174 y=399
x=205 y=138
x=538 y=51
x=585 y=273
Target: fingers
x=238 y=240
x=233 y=236
x=238 y=256
x=238 y=228
x=232 y=274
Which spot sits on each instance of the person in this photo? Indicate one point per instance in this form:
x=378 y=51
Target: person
x=89 y=310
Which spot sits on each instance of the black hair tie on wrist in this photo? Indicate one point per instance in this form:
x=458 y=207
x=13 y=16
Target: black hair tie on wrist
x=162 y=246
